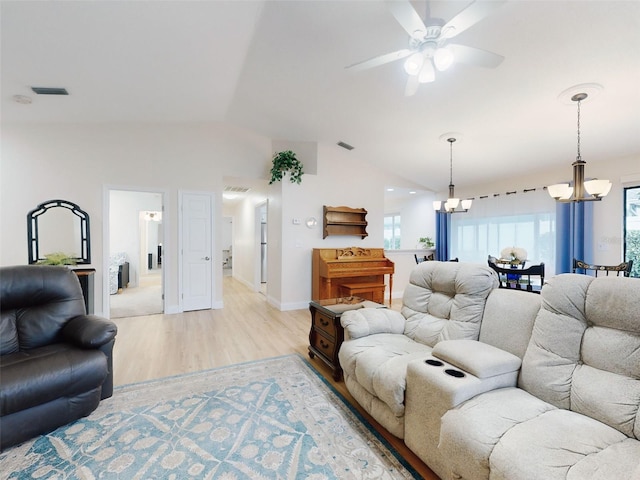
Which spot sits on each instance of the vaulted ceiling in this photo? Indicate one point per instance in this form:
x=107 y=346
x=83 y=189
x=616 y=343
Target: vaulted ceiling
x=278 y=68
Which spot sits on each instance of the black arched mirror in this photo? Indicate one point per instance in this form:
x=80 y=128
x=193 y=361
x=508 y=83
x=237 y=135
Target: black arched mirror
x=58 y=227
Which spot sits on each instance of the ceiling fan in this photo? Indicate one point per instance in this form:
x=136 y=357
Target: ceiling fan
x=429 y=48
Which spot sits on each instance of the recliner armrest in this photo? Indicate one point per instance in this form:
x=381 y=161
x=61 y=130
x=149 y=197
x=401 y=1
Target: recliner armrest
x=479 y=359
x=369 y=321
x=89 y=331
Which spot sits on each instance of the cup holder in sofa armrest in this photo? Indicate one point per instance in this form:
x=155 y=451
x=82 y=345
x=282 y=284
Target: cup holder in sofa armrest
x=433 y=362
x=479 y=359
x=454 y=373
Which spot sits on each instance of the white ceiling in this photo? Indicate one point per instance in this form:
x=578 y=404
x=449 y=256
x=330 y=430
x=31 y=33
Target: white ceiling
x=277 y=67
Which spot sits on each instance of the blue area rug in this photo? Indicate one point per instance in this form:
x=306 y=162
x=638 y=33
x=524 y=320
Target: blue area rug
x=271 y=419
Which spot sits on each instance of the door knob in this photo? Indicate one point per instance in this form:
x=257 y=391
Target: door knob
x=206 y=258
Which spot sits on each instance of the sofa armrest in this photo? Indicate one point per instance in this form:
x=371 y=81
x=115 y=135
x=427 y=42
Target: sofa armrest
x=369 y=321
x=89 y=331
x=477 y=358
x=460 y=370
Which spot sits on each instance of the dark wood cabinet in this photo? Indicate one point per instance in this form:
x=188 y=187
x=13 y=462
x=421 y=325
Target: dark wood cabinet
x=326 y=334
x=86 y=276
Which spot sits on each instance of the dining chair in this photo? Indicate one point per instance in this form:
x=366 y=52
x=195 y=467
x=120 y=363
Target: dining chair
x=623 y=268
x=530 y=279
x=424 y=258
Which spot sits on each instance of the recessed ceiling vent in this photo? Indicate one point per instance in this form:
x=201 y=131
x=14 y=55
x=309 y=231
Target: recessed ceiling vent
x=236 y=189
x=50 y=91
x=345 y=145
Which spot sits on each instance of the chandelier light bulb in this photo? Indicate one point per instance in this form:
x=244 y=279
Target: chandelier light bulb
x=451 y=204
x=597 y=188
x=466 y=204
x=560 y=191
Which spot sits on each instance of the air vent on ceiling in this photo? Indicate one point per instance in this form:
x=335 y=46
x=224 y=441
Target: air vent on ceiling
x=236 y=189
x=50 y=91
x=345 y=145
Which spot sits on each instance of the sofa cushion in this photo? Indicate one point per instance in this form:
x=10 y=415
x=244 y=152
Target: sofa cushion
x=379 y=364
x=39 y=299
x=38 y=376
x=620 y=461
x=584 y=353
x=8 y=333
x=469 y=432
x=445 y=301
x=508 y=319
x=554 y=443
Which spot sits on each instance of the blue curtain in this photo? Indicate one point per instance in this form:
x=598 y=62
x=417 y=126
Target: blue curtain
x=443 y=236
x=574 y=234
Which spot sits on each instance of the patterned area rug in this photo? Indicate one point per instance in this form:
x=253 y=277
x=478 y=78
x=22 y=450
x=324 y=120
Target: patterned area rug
x=271 y=419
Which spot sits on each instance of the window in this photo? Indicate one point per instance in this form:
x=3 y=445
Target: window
x=632 y=228
x=524 y=220
x=392 y=232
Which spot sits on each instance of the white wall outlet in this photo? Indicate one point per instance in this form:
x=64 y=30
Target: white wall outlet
x=296 y=221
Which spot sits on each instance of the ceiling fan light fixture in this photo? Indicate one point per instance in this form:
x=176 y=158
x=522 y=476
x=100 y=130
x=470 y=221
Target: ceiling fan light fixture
x=443 y=58
x=414 y=63
x=427 y=73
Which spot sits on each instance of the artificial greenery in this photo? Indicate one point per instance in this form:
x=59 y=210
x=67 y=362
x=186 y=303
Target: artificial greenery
x=57 y=258
x=284 y=162
x=426 y=241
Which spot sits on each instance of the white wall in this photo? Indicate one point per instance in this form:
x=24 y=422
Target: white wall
x=340 y=182
x=608 y=213
x=77 y=162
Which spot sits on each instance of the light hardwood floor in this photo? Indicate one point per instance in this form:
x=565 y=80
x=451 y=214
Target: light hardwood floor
x=246 y=329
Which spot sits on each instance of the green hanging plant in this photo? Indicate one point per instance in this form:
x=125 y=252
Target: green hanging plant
x=284 y=162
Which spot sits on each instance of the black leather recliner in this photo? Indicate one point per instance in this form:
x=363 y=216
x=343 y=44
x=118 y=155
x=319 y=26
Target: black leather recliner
x=55 y=361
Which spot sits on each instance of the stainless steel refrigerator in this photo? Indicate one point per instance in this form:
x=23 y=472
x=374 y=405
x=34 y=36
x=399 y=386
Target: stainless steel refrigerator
x=263 y=252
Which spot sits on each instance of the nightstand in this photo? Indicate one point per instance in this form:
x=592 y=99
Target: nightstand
x=326 y=334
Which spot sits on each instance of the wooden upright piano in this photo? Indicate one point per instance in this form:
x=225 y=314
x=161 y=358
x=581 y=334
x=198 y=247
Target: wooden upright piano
x=338 y=272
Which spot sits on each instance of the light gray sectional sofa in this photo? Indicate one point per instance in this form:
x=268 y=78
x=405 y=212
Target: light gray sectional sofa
x=488 y=383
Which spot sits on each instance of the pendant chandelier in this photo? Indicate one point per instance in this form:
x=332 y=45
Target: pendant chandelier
x=451 y=205
x=595 y=189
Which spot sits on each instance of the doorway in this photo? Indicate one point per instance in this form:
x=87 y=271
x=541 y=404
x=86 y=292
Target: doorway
x=196 y=250
x=136 y=232
x=261 y=216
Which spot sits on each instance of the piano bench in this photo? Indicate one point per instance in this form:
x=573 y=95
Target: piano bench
x=368 y=291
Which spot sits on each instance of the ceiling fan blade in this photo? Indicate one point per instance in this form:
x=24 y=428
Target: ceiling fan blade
x=379 y=60
x=475 y=56
x=412 y=86
x=427 y=72
x=468 y=17
x=407 y=16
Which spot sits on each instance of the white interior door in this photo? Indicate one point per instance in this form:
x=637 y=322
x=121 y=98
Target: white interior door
x=196 y=251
